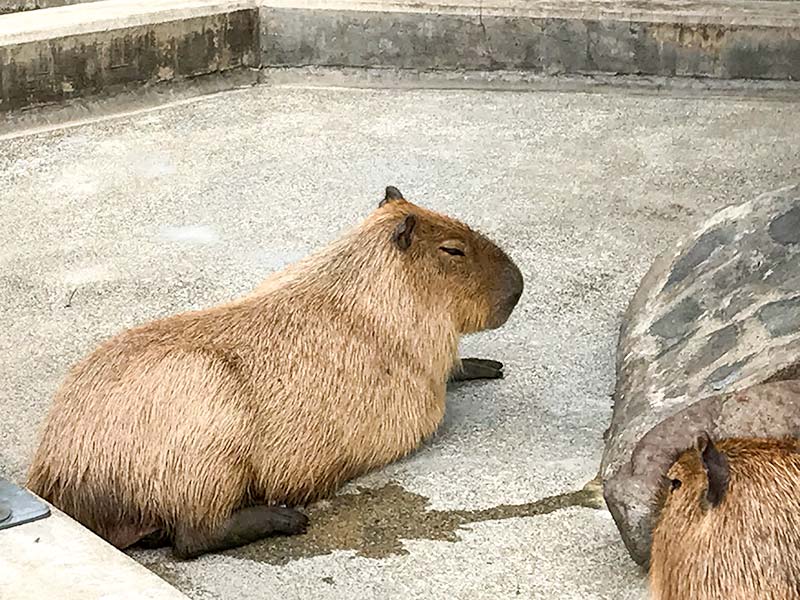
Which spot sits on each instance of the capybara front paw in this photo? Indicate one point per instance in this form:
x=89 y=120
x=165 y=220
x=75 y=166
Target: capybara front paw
x=479 y=368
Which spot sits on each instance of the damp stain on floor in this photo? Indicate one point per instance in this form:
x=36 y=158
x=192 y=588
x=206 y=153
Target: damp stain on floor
x=374 y=523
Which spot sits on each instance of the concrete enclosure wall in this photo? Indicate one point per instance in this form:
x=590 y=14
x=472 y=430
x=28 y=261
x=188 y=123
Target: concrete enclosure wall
x=545 y=44
x=52 y=55
x=11 y=6
x=58 y=69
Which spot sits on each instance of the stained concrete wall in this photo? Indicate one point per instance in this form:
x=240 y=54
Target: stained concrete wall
x=553 y=45
x=61 y=68
x=126 y=43
x=12 y=6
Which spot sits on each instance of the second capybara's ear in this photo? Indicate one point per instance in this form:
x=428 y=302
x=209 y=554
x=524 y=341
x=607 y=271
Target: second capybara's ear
x=392 y=194
x=716 y=467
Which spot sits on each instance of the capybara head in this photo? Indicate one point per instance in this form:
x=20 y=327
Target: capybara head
x=479 y=284
x=730 y=523
x=698 y=480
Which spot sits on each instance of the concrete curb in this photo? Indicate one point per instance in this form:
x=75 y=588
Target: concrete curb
x=58 y=558
x=523 y=81
x=51 y=55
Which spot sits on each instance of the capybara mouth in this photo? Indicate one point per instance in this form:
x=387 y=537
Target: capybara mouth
x=506 y=306
x=504 y=312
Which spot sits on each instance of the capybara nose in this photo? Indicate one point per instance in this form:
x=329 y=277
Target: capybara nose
x=510 y=293
x=516 y=287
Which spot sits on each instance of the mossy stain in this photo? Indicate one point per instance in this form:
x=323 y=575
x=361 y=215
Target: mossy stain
x=374 y=523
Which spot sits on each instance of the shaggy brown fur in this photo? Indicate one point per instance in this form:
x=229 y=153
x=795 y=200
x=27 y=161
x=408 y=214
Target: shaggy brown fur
x=730 y=525
x=333 y=367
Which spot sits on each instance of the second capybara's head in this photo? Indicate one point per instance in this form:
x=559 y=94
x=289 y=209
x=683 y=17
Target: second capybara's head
x=698 y=480
x=728 y=525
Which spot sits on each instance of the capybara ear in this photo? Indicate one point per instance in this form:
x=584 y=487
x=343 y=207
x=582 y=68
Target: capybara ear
x=392 y=194
x=402 y=233
x=716 y=467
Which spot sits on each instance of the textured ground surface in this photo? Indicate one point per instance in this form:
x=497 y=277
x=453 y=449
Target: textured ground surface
x=108 y=224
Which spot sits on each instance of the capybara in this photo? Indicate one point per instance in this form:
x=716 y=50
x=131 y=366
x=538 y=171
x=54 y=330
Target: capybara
x=204 y=429
x=729 y=528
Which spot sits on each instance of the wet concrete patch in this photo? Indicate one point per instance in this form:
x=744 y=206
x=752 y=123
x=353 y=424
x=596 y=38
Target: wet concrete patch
x=374 y=523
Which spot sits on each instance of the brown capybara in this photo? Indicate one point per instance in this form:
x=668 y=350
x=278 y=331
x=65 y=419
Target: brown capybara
x=202 y=430
x=730 y=525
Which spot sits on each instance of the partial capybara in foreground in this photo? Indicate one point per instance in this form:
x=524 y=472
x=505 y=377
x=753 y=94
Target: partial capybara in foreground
x=730 y=525
x=194 y=429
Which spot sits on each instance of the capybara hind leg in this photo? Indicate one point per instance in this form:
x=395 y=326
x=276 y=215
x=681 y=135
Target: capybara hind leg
x=157 y=539
x=243 y=527
x=477 y=368
x=124 y=536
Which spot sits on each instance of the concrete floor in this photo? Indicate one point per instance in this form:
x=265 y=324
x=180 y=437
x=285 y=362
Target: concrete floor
x=108 y=224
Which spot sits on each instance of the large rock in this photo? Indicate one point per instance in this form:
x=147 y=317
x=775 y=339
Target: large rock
x=711 y=341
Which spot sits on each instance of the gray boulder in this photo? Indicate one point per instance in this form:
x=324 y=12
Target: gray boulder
x=710 y=342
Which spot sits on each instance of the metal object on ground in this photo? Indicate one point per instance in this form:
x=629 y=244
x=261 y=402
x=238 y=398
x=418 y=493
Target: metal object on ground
x=712 y=320
x=18 y=506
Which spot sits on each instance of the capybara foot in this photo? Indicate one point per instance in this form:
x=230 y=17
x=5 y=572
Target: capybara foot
x=243 y=527
x=288 y=521
x=477 y=368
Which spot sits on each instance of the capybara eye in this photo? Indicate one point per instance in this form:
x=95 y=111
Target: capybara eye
x=676 y=483
x=452 y=251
